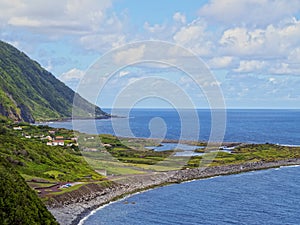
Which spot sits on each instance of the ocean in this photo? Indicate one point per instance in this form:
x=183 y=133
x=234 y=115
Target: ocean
x=260 y=197
x=242 y=125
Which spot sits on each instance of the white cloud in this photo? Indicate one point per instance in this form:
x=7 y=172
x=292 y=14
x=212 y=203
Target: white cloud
x=154 y=28
x=251 y=13
x=220 y=62
x=130 y=55
x=191 y=32
x=102 y=42
x=283 y=68
x=90 y=23
x=274 y=41
x=123 y=73
x=156 y=31
x=242 y=41
x=250 y=66
x=195 y=37
x=294 y=56
x=178 y=17
x=64 y=17
x=272 y=80
x=73 y=74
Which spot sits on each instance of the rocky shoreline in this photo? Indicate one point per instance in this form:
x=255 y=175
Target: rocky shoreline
x=70 y=208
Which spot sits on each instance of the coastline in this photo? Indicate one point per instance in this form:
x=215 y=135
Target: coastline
x=70 y=208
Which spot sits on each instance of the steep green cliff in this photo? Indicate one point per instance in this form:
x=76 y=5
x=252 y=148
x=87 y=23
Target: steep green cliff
x=29 y=93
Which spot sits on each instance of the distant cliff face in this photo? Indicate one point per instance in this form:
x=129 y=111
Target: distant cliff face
x=29 y=93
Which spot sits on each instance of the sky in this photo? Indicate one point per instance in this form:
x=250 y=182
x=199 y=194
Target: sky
x=251 y=47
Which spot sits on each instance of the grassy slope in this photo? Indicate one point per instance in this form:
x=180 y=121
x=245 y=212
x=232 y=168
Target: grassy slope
x=29 y=92
x=34 y=158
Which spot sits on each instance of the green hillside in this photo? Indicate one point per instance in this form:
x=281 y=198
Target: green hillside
x=30 y=93
x=33 y=158
x=19 y=204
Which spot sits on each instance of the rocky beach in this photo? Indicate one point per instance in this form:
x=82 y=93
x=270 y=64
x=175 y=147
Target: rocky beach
x=70 y=208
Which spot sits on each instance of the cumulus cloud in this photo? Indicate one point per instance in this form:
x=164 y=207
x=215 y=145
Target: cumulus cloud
x=102 y=42
x=67 y=16
x=282 y=68
x=250 y=66
x=89 y=23
x=179 y=17
x=73 y=74
x=275 y=44
x=250 y=13
x=258 y=37
x=195 y=37
x=220 y=62
x=154 y=28
x=130 y=55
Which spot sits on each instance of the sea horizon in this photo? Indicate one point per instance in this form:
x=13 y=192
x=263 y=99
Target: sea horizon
x=277 y=126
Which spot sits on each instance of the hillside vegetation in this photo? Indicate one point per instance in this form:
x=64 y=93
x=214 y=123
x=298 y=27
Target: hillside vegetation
x=30 y=93
x=19 y=204
x=33 y=158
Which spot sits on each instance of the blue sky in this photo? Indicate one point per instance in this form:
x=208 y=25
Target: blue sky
x=252 y=47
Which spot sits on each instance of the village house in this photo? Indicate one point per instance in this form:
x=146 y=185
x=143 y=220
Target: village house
x=107 y=145
x=49 y=138
x=58 y=142
x=59 y=138
x=17 y=128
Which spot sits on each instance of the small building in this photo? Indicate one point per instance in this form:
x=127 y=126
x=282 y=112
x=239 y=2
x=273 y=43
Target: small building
x=17 y=128
x=51 y=131
x=107 y=145
x=49 y=138
x=59 y=138
x=49 y=143
x=58 y=142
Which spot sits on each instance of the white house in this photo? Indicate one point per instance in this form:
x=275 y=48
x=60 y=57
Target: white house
x=58 y=142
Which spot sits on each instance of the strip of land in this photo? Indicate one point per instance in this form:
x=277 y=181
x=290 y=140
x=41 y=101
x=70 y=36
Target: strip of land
x=71 y=207
x=73 y=179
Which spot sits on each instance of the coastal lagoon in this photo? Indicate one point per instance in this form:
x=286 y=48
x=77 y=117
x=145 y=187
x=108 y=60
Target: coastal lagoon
x=261 y=197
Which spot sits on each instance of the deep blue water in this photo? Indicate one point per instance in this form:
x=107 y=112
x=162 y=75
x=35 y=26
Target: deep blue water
x=255 y=126
x=260 y=197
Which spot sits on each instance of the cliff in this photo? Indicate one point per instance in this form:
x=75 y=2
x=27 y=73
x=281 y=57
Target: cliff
x=29 y=93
